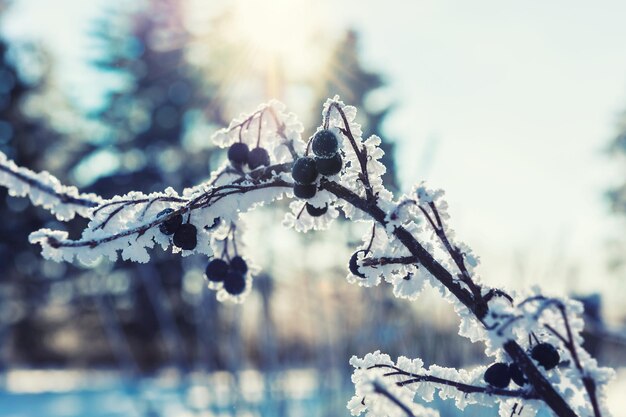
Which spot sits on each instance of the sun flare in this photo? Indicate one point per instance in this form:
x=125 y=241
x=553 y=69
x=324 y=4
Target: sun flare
x=283 y=31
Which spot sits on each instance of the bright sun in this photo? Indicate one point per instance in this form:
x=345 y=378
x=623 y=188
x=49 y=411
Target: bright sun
x=283 y=30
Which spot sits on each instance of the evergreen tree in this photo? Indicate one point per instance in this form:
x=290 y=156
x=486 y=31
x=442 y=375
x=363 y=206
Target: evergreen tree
x=347 y=76
x=150 y=120
x=617 y=198
x=154 y=124
x=617 y=194
x=28 y=139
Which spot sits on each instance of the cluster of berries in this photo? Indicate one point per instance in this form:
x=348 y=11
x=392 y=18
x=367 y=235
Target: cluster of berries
x=239 y=154
x=327 y=161
x=500 y=374
x=232 y=275
x=185 y=235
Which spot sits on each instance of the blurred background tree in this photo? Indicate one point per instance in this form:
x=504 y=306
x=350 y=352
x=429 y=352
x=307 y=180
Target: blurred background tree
x=618 y=149
x=181 y=69
x=175 y=83
x=157 y=126
x=346 y=75
x=617 y=194
x=152 y=131
x=28 y=136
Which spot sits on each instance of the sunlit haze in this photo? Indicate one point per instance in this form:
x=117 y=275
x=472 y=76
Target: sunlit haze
x=283 y=29
x=507 y=106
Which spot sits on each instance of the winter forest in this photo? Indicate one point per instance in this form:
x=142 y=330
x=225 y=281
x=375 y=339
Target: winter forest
x=293 y=208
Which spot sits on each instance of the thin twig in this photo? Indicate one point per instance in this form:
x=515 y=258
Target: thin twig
x=545 y=390
x=63 y=197
x=460 y=386
x=384 y=260
x=379 y=389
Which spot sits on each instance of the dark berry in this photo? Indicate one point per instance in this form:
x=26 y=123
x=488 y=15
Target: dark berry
x=186 y=236
x=498 y=375
x=239 y=265
x=234 y=283
x=258 y=157
x=171 y=225
x=216 y=270
x=304 y=171
x=316 y=211
x=325 y=144
x=329 y=166
x=517 y=375
x=238 y=153
x=546 y=355
x=354 y=266
x=304 y=190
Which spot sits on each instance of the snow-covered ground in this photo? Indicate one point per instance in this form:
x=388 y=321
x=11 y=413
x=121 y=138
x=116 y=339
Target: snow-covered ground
x=104 y=394
x=294 y=393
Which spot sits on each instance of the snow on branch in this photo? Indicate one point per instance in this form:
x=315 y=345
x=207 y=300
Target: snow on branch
x=534 y=340
x=407 y=378
x=45 y=190
x=131 y=223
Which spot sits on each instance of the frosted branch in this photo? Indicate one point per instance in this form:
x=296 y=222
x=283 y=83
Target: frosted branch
x=462 y=387
x=130 y=223
x=380 y=389
x=409 y=245
x=45 y=190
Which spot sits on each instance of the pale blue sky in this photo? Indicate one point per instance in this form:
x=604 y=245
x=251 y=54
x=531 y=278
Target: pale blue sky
x=517 y=100
x=522 y=98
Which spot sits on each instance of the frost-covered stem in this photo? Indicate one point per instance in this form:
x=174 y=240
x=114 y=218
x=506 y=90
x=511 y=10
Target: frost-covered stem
x=63 y=197
x=203 y=201
x=453 y=251
x=478 y=307
x=570 y=345
x=372 y=200
x=589 y=383
x=280 y=131
x=380 y=389
x=590 y=386
x=126 y=203
x=407 y=239
x=361 y=153
x=540 y=384
x=248 y=121
x=496 y=292
x=466 y=388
